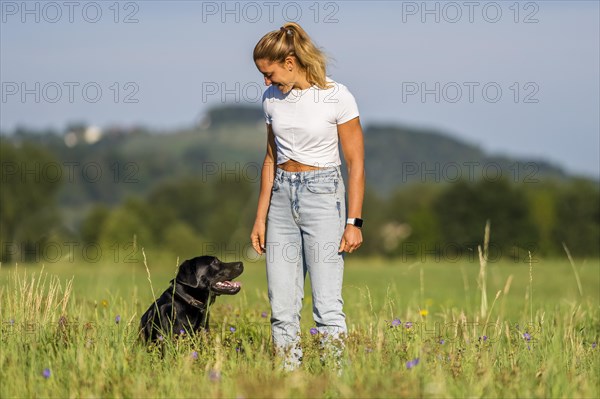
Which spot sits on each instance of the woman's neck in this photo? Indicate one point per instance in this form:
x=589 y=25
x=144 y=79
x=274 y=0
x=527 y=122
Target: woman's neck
x=301 y=83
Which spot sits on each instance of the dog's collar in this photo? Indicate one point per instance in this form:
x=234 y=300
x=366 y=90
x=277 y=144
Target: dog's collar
x=187 y=298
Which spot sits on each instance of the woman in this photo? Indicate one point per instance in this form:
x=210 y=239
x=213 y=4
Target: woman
x=301 y=221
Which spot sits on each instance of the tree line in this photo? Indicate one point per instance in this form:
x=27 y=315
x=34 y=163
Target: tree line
x=193 y=215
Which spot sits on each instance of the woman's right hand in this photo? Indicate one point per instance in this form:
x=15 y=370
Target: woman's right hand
x=267 y=174
x=257 y=237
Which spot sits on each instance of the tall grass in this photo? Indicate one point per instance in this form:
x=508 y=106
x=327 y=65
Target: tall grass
x=73 y=333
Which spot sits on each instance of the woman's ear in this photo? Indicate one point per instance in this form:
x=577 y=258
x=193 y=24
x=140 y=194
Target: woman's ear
x=289 y=63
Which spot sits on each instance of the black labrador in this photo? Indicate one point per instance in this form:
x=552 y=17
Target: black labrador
x=183 y=307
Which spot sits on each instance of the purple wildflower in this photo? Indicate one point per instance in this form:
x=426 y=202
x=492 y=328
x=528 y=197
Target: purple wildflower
x=396 y=323
x=484 y=338
x=46 y=373
x=12 y=321
x=408 y=324
x=527 y=336
x=214 y=375
x=194 y=355
x=412 y=363
x=181 y=332
x=118 y=319
x=160 y=338
x=314 y=331
x=442 y=342
x=232 y=329
x=263 y=315
x=594 y=345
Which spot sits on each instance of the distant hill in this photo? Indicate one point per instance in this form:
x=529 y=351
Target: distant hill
x=396 y=155
x=232 y=139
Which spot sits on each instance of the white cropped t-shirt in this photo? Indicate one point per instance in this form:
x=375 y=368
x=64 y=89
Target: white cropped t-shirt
x=304 y=122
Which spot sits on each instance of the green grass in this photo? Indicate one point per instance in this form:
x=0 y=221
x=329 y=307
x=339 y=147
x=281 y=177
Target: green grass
x=62 y=318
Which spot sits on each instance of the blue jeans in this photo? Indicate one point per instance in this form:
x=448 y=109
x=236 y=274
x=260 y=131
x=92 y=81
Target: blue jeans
x=305 y=224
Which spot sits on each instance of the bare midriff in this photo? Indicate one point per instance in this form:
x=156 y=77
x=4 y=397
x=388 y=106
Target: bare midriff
x=295 y=166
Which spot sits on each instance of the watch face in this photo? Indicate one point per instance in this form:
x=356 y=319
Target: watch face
x=358 y=222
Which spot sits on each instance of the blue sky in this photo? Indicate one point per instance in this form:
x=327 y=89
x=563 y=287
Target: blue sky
x=514 y=78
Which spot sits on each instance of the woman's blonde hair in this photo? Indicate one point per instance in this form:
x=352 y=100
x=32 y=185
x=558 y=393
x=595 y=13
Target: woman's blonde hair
x=292 y=40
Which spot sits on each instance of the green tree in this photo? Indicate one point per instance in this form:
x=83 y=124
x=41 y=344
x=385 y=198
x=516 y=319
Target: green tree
x=463 y=209
x=542 y=202
x=215 y=214
x=188 y=200
x=126 y=230
x=31 y=178
x=374 y=213
x=93 y=224
x=410 y=210
x=578 y=218
x=182 y=241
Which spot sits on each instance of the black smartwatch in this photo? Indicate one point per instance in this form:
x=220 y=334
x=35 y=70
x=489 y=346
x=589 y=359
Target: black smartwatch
x=358 y=222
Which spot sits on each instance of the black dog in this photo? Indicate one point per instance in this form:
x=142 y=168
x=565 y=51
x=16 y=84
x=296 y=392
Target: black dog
x=183 y=307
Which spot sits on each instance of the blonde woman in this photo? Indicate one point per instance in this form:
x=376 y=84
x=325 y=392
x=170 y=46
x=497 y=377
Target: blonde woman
x=301 y=222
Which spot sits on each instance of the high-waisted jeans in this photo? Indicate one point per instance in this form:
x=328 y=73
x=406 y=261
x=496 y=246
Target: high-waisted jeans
x=305 y=224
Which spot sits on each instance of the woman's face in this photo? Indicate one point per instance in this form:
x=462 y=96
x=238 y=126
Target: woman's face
x=276 y=74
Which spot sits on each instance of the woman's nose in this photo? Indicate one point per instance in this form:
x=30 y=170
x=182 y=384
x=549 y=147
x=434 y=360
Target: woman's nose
x=267 y=82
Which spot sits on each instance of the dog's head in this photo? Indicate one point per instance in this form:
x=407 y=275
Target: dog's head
x=209 y=273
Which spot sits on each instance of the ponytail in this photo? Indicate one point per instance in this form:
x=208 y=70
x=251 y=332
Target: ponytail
x=292 y=40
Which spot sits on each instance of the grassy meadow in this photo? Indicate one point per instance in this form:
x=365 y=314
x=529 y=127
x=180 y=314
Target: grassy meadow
x=416 y=329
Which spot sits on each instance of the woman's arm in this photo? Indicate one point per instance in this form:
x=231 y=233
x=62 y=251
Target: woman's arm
x=257 y=236
x=351 y=139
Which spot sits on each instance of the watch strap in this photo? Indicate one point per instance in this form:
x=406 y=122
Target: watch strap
x=358 y=222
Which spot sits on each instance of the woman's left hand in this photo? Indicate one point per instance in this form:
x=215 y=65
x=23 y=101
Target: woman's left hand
x=351 y=240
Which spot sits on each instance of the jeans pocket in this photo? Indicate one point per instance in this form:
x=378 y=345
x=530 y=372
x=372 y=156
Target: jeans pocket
x=328 y=186
x=276 y=185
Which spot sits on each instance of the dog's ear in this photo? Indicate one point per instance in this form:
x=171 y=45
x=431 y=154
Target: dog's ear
x=187 y=274
x=191 y=273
